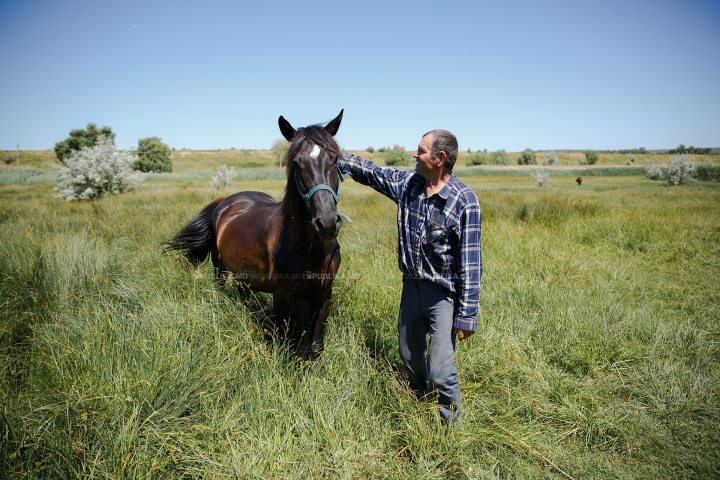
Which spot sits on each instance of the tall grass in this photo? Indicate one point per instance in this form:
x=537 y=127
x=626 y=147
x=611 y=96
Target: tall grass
x=597 y=348
x=12 y=174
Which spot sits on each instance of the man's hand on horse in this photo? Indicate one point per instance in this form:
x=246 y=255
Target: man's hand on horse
x=463 y=334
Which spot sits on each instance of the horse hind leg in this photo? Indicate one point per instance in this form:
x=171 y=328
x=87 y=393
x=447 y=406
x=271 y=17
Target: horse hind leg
x=280 y=318
x=220 y=272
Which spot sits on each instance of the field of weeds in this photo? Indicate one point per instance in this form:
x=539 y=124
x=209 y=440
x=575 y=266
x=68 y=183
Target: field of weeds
x=597 y=355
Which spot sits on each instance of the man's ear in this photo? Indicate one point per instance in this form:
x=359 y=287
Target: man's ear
x=441 y=156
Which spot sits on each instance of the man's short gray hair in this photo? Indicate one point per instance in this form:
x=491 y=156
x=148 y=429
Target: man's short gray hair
x=444 y=141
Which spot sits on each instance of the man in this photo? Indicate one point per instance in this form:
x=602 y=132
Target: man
x=439 y=255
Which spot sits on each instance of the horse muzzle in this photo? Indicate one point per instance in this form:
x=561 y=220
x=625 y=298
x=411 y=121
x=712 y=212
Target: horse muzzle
x=327 y=226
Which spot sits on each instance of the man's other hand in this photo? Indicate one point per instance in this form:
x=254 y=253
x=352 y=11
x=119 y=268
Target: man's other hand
x=463 y=334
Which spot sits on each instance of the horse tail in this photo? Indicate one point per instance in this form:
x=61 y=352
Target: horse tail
x=196 y=238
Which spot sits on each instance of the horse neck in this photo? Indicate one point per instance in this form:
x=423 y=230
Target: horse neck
x=296 y=229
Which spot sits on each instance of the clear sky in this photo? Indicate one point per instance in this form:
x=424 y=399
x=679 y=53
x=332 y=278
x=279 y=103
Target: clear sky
x=503 y=74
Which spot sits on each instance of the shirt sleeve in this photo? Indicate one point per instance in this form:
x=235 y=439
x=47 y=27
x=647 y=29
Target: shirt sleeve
x=388 y=181
x=469 y=269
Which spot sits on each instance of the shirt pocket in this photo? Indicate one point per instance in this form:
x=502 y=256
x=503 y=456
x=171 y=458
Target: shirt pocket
x=437 y=246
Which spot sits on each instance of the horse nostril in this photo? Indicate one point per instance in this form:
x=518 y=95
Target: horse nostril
x=319 y=224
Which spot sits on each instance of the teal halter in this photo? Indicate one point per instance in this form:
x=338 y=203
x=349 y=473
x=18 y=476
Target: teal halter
x=322 y=186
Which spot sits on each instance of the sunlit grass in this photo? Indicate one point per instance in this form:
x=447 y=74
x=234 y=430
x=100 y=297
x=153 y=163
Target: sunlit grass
x=597 y=349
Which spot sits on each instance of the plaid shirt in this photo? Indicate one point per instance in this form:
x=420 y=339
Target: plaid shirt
x=438 y=237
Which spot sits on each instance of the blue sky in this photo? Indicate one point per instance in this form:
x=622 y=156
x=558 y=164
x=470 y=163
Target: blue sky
x=514 y=74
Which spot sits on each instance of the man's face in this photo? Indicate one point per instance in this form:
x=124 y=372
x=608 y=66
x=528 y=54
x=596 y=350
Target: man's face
x=424 y=163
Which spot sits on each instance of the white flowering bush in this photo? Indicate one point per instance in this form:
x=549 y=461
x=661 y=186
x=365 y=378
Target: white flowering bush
x=551 y=159
x=223 y=178
x=97 y=170
x=542 y=177
x=654 y=171
x=683 y=169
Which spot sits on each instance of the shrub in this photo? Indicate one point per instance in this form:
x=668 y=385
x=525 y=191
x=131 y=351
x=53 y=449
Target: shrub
x=631 y=160
x=527 y=157
x=541 y=176
x=500 y=157
x=97 y=170
x=8 y=159
x=707 y=171
x=153 y=156
x=396 y=156
x=223 y=178
x=683 y=169
x=479 y=158
x=654 y=171
x=370 y=149
x=484 y=157
x=591 y=157
x=280 y=148
x=551 y=159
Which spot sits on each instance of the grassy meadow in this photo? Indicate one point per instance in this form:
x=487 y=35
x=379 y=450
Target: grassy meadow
x=597 y=354
x=194 y=160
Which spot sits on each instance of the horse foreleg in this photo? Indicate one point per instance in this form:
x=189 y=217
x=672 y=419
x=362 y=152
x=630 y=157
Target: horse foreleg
x=318 y=343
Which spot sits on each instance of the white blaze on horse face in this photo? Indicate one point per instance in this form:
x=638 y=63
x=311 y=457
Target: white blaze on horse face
x=315 y=153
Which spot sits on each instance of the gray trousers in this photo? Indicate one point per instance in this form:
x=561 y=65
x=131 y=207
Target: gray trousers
x=426 y=308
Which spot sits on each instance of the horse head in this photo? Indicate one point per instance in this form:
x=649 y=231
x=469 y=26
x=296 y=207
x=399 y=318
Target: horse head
x=313 y=174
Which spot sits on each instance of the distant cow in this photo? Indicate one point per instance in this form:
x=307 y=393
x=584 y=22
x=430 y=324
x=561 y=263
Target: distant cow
x=578 y=180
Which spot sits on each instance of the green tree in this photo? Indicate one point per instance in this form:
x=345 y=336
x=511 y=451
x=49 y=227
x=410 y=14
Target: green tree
x=591 y=157
x=527 y=157
x=79 y=138
x=153 y=156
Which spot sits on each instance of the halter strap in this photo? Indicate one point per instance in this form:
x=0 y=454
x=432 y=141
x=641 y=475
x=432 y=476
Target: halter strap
x=322 y=186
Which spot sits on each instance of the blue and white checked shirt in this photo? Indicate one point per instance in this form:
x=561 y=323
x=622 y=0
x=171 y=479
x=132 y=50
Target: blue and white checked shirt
x=438 y=237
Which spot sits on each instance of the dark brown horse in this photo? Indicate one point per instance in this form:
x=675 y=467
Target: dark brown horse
x=289 y=249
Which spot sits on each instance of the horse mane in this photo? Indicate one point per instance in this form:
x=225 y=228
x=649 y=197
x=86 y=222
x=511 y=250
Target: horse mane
x=293 y=207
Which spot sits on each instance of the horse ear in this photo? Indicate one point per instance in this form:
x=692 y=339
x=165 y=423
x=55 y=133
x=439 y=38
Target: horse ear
x=286 y=129
x=334 y=125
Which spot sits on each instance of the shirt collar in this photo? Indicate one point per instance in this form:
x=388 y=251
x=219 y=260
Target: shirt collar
x=444 y=192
